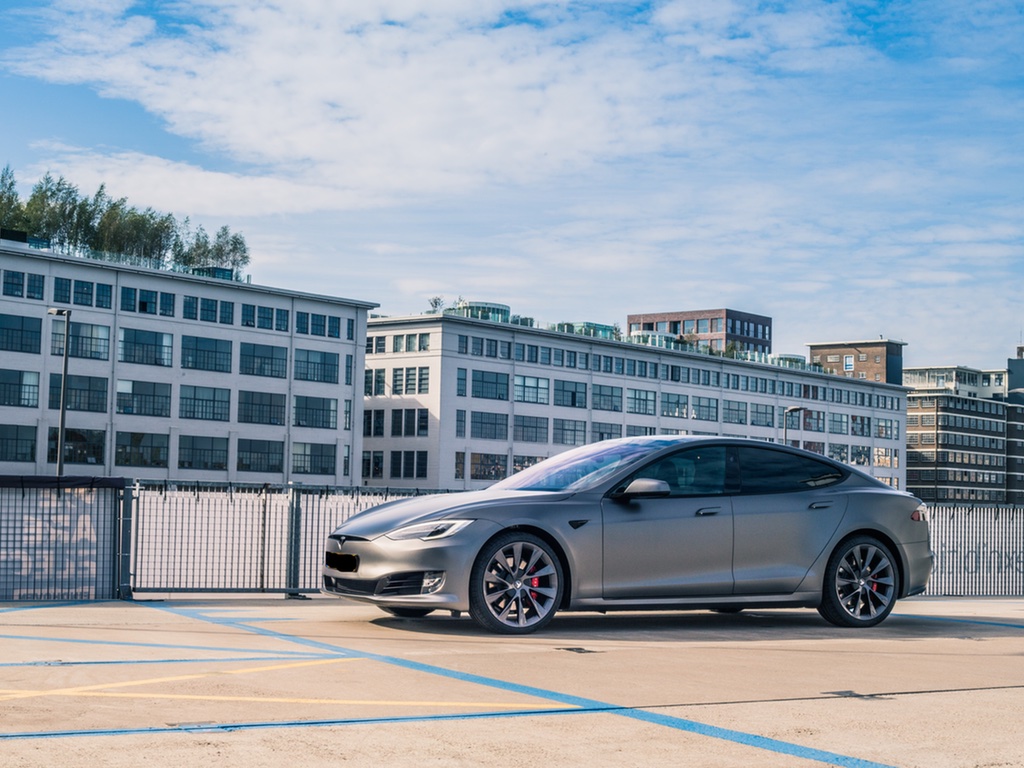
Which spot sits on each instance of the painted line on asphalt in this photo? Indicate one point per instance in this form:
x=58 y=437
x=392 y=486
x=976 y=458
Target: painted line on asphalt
x=577 y=703
x=166 y=646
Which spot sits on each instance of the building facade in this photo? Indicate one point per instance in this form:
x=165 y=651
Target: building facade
x=965 y=434
x=454 y=402
x=875 y=360
x=175 y=376
x=716 y=329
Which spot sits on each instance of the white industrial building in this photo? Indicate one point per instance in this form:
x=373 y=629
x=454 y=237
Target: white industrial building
x=175 y=376
x=454 y=401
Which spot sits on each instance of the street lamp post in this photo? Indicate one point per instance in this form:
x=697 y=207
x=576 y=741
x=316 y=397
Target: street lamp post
x=785 y=421
x=66 y=314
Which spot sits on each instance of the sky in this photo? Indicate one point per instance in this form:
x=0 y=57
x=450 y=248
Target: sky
x=851 y=169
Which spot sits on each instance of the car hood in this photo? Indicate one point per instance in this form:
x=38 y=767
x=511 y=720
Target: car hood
x=378 y=520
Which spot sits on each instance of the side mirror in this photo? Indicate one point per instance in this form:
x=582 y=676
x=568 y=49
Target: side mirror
x=644 y=488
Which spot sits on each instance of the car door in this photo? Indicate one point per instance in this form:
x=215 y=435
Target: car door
x=675 y=546
x=786 y=511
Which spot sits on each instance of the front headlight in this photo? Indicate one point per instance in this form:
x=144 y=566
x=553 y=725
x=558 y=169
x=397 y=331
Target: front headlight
x=436 y=529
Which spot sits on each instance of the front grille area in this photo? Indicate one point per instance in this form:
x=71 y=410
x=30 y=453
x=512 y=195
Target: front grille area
x=402 y=584
x=342 y=561
x=350 y=586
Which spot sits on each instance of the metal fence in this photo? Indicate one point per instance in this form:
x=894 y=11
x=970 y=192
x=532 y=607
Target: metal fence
x=62 y=539
x=269 y=538
x=95 y=538
x=979 y=551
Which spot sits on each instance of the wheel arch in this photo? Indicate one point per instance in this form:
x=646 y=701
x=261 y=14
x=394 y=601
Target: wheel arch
x=555 y=545
x=891 y=545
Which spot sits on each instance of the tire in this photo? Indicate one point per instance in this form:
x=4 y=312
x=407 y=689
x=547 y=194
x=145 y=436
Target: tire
x=516 y=584
x=861 y=584
x=408 y=613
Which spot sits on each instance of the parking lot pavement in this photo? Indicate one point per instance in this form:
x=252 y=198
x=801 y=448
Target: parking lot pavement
x=271 y=682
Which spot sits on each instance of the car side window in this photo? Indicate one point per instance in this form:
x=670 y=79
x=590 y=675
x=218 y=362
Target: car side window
x=763 y=470
x=691 y=472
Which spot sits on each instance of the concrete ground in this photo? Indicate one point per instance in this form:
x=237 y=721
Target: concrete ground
x=318 y=682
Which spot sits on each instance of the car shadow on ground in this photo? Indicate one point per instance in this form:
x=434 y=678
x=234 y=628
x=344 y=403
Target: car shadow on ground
x=705 y=626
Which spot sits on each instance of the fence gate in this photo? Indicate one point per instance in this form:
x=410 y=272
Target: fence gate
x=258 y=538
x=60 y=538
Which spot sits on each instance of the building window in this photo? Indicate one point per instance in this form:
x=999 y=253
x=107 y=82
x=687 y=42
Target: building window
x=14 y=283
x=148 y=302
x=17 y=443
x=202 y=452
x=813 y=421
x=281 y=321
x=208 y=310
x=81 y=446
x=640 y=401
x=423 y=384
x=167 y=304
x=484 y=425
x=460 y=382
x=839 y=423
x=261 y=407
x=22 y=334
x=607 y=398
x=705 y=409
x=734 y=412
x=762 y=415
x=317 y=325
x=61 y=290
x=460 y=423
x=316 y=412
x=128 y=299
x=601 y=430
x=139 y=449
x=314 y=458
x=263 y=360
x=488 y=466
x=569 y=432
x=571 y=394
x=104 y=295
x=142 y=347
x=84 y=393
x=301 y=322
x=373 y=464
x=260 y=455
x=144 y=398
x=19 y=389
x=248 y=315
x=265 y=318
x=530 y=389
x=88 y=341
x=860 y=426
x=206 y=403
x=530 y=429
x=839 y=452
x=408 y=464
x=190 y=307
x=204 y=354
x=83 y=293
x=313 y=365
x=460 y=465
x=490 y=385
x=410 y=422
x=226 y=313
x=373 y=423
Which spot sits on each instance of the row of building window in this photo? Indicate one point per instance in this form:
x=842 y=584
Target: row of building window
x=703 y=377
x=145 y=398
x=403 y=464
x=405 y=422
x=148 y=302
x=92 y=342
x=962 y=404
x=413 y=380
x=400 y=343
x=141 y=449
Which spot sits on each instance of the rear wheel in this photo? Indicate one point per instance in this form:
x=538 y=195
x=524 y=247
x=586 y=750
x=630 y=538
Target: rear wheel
x=408 y=613
x=515 y=586
x=861 y=584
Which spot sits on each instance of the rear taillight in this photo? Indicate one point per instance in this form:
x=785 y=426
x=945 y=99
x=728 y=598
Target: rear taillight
x=920 y=515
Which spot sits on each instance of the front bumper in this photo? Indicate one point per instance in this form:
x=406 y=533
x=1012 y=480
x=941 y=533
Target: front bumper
x=404 y=574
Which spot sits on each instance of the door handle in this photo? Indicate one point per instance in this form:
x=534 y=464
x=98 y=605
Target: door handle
x=821 y=504
x=703 y=511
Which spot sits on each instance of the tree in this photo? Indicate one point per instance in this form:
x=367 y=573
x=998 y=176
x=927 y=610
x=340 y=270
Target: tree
x=436 y=304
x=12 y=212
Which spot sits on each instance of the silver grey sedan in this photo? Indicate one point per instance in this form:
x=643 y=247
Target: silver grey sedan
x=644 y=523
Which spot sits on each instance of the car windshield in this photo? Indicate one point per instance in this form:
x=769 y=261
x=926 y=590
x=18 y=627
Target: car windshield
x=582 y=468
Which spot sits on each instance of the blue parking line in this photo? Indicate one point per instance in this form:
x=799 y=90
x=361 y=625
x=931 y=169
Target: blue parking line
x=578 y=704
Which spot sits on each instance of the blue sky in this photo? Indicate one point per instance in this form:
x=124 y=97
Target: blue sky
x=851 y=169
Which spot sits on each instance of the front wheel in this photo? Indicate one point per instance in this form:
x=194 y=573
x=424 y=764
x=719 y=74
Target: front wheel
x=515 y=586
x=861 y=584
